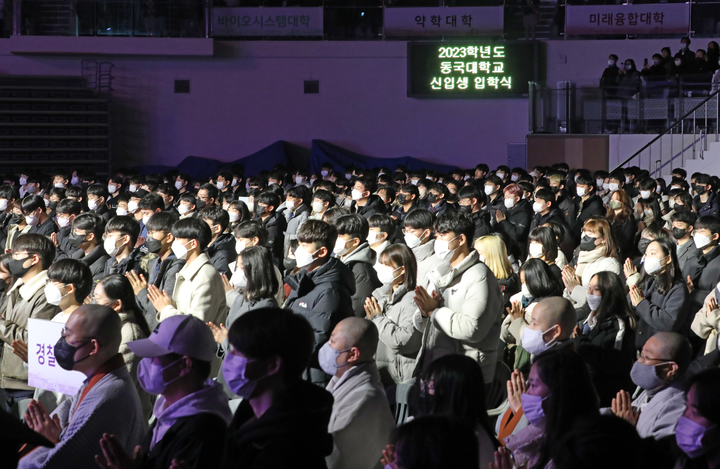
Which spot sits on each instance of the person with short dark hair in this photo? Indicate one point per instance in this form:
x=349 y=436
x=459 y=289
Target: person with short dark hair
x=381 y=231
x=67 y=210
x=162 y=264
x=407 y=198
x=221 y=249
x=353 y=249
x=322 y=289
x=121 y=234
x=85 y=241
x=437 y=198
x=297 y=210
x=206 y=195
x=32 y=255
x=706 y=202
x=69 y=283
x=514 y=221
x=266 y=205
x=97 y=196
x=364 y=200
x=472 y=202
x=419 y=235
x=460 y=307
x=281 y=417
x=588 y=205
x=192 y=412
x=322 y=202
x=683 y=225
x=115 y=189
x=702 y=273
x=199 y=289
x=186 y=205
x=33 y=208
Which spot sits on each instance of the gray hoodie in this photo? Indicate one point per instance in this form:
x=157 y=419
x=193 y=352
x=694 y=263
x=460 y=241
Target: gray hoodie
x=361 y=261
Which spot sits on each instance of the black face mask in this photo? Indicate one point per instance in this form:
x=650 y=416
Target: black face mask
x=587 y=243
x=555 y=189
x=16 y=267
x=432 y=198
x=76 y=240
x=465 y=209
x=199 y=204
x=401 y=198
x=15 y=219
x=643 y=244
x=260 y=210
x=289 y=264
x=153 y=245
x=65 y=354
x=700 y=190
x=52 y=205
x=678 y=233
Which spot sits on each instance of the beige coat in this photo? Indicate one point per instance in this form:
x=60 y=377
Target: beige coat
x=579 y=293
x=511 y=331
x=198 y=291
x=23 y=302
x=130 y=331
x=706 y=325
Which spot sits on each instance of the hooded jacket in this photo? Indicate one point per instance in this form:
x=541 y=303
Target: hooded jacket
x=361 y=262
x=324 y=298
x=294 y=222
x=374 y=205
x=131 y=262
x=96 y=260
x=222 y=252
x=293 y=432
x=192 y=430
x=704 y=271
x=590 y=207
x=161 y=274
x=516 y=227
x=276 y=226
x=426 y=260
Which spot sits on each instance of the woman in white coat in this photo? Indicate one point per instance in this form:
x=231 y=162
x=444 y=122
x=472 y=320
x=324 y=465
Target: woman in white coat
x=391 y=308
x=597 y=253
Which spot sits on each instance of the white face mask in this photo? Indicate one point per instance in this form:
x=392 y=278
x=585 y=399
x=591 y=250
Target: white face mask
x=500 y=174
x=3 y=205
x=110 y=246
x=600 y=183
x=535 y=250
x=525 y=291
x=132 y=206
x=489 y=190
x=59 y=185
x=63 y=221
x=532 y=341
x=677 y=63
x=356 y=194
x=538 y=207
x=373 y=237
x=221 y=185
x=628 y=67
x=645 y=194
x=580 y=192
x=514 y=177
x=317 y=207
x=183 y=209
x=178 y=185
x=180 y=250
x=121 y=212
x=239 y=246
x=412 y=241
x=386 y=275
x=234 y=183
x=593 y=301
x=299 y=179
x=701 y=240
x=324 y=173
x=509 y=203
x=145 y=220
x=652 y=265
x=132 y=188
x=238 y=279
x=234 y=216
x=31 y=220
x=74 y=180
x=53 y=295
x=303 y=258
x=112 y=188
x=414 y=182
x=611 y=62
x=92 y=204
x=339 y=249
x=442 y=248
x=612 y=186
x=23 y=181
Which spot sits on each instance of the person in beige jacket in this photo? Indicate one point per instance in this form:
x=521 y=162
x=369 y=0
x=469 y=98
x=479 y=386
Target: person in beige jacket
x=707 y=322
x=199 y=287
x=32 y=255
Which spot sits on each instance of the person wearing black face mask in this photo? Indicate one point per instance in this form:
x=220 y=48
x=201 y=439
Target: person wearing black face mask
x=706 y=202
x=106 y=403
x=266 y=204
x=472 y=202
x=32 y=254
x=85 y=241
x=683 y=223
x=407 y=200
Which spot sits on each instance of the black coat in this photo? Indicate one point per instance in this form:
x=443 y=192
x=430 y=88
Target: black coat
x=46 y=229
x=669 y=312
x=625 y=232
x=374 y=205
x=324 y=298
x=197 y=440
x=292 y=433
x=593 y=206
x=609 y=367
x=516 y=227
x=131 y=262
x=362 y=262
x=708 y=208
x=567 y=207
x=161 y=274
x=481 y=219
x=96 y=260
x=704 y=271
x=222 y=252
x=276 y=225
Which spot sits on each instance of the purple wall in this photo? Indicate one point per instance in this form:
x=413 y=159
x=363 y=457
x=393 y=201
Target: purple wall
x=250 y=94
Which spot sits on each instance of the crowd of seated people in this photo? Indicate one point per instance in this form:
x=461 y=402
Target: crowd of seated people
x=664 y=70
x=361 y=318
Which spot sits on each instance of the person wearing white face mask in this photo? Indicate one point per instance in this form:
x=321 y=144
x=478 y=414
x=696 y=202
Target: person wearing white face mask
x=115 y=187
x=199 y=288
x=543 y=246
x=221 y=249
x=121 y=234
x=382 y=230
x=352 y=248
x=610 y=76
x=514 y=222
x=297 y=202
x=97 y=195
x=248 y=234
x=391 y=307
x=256 y=284
x=322 y=289
x=7 y=200
x=702 y=273
x=66 y=212
x=589 y=204
x=322 y=201
x=365 y=203
x=187 y=205
x=460 y=306
x=551 y=325
x=419 y=236
x=301 y=178
x=33 y=208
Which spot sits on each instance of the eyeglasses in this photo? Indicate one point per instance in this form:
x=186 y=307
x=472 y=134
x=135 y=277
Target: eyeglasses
x=642 y=359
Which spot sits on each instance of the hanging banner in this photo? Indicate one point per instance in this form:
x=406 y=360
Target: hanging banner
x=659 y=18
x=267 y=21
x=43 y=370
x=444 y=21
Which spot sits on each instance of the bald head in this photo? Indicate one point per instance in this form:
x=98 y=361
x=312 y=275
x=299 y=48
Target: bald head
x=98 y=322
x=669 y=346
x=553 y=311
x=360 y=333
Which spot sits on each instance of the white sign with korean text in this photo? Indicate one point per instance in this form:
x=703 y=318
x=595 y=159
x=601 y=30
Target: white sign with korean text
x=43 y=371
x=268 y=21
x=660 y=18
x=444 y=21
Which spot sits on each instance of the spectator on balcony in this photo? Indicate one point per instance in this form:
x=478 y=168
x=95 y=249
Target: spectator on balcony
x=685 y=53
x=667 y=60
x=713 y=54
x=609 y=79
x=531 y=15
x=655 y=68
x=628 y=80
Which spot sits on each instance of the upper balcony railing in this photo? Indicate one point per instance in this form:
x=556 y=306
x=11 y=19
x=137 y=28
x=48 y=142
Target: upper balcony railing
x=360 y=19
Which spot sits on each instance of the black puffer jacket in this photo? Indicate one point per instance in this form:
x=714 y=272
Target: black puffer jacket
x=374 y=205
x=324 y=298
x=591 y=207
x=362 y=261
x=222 y=252
x=517 y=227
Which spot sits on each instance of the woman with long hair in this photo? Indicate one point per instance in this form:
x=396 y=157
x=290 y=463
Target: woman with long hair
x=605 y=336
x=559 y=393
x=391 y=307
x=494 y=254
x=660 y=299
x=116 y=292
x=623 y=223
x=453 y=385
x=542 y=244
x=597 y=253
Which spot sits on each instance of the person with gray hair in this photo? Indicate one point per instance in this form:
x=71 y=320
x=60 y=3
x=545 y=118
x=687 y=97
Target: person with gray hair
x=361 y=422
x=659 y=371
x=107 y=402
